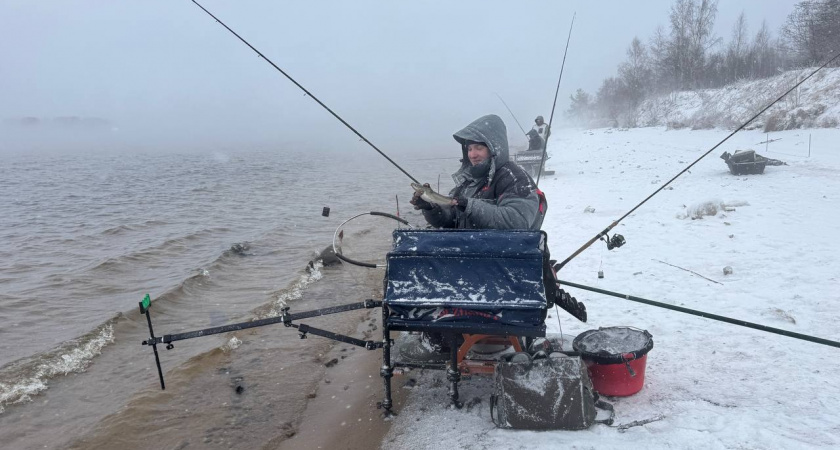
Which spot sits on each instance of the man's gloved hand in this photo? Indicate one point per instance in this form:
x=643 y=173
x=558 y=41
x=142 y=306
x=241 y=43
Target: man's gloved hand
x=461 y=202
x=418 y=202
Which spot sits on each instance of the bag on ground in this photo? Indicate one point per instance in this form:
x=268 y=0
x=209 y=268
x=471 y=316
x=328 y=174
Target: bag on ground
x=550 y=393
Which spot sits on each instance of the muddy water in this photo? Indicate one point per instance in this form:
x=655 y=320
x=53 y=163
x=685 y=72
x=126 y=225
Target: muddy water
x=215 y=239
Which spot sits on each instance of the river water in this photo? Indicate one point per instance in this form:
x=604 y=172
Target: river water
x=214 y=238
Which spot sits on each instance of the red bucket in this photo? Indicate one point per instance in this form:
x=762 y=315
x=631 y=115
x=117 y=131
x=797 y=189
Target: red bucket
x=615 y=358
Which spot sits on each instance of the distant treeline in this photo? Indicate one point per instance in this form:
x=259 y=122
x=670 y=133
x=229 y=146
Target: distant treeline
x=68 y=122
x=688 y=56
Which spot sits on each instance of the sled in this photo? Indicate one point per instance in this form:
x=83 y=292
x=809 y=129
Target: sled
x=745 y=162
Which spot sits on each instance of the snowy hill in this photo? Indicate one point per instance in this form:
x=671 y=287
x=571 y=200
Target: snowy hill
x=815 y=104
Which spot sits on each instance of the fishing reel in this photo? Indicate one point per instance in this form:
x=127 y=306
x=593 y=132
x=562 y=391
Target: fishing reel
x=615 y=241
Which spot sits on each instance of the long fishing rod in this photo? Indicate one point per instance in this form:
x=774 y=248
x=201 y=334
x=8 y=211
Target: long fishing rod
x=511 y=113
x=554 y=105
x=617 y=240
x=307 y=92
x=706 y=315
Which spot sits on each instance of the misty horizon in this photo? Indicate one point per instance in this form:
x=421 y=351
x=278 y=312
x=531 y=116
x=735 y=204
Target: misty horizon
x=405 y=75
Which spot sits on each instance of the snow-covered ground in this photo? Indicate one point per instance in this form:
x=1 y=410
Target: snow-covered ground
x=816 y=103
x=711 y=384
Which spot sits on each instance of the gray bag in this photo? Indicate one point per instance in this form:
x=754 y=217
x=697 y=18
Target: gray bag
x=550 y=393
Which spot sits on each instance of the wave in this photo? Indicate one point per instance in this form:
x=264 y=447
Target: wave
x=282 y=298
x=123 y=228
x=118 y=229
x=159 y=250
x=24 y=378
x=27 y=377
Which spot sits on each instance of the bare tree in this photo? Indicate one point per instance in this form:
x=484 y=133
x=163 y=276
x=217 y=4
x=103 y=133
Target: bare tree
x=765 y=57
x=702 y=38
x=737 y=53
x=827 y=29
x=799 y=32
x=635 y=73
x=678 y=56
x=660 y=62
x=691 y=38
x=611 y=100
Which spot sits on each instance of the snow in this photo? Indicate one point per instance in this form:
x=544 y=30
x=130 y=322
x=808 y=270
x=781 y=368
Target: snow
x=816 y=103
x=613 y=341
x=711 y=384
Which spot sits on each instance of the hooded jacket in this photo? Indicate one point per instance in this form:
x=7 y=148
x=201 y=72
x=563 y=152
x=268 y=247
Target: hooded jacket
x=500 y=194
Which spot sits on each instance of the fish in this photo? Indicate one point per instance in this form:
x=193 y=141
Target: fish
x=428 y=194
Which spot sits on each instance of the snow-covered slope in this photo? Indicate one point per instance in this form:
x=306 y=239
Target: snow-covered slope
x=814 y=104
x=708 y=384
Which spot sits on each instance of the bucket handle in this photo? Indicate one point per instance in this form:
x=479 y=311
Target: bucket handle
x=629 y=356
x=627 y=364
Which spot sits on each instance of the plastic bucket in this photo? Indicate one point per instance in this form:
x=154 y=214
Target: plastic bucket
x=615 y=358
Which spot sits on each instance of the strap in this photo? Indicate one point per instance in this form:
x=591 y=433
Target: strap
x=493 y=400
x=606 y=407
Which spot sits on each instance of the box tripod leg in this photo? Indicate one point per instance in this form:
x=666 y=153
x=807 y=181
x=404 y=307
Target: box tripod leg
x=453 y=373
x=387 y=370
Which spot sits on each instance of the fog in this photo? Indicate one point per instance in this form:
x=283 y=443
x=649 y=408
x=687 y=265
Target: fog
x=164 y=76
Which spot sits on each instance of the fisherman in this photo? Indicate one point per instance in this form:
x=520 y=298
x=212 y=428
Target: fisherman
x=535 y=142
x=491 y=190
x=541 y=128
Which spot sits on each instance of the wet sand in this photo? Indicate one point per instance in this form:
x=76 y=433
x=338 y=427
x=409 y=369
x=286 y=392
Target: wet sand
x=272 y=391
x=344 y=415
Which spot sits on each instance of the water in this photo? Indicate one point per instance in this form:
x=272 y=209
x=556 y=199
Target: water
x=214 y=239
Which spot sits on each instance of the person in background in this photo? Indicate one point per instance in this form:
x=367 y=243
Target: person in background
x=541 y=128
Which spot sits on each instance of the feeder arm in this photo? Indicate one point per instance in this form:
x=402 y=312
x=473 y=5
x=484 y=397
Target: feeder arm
x=285 y=318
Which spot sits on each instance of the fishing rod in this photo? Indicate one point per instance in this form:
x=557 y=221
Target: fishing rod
x=706 y=315
x=617 y=240
x=307 y=92
x=511 y=113
x=554 y=105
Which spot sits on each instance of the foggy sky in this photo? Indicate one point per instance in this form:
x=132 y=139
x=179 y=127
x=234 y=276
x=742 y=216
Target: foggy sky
x=405 y=74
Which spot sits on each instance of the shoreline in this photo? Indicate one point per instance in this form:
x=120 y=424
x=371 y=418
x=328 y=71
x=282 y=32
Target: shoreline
x=343 y=413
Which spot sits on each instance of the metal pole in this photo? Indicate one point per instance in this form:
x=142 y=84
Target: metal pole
x=742 y=323
x=154 y=348
x=511 y=113
x=307 y=92
x=554 y=105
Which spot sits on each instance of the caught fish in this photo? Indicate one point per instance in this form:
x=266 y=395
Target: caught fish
x=428 y=194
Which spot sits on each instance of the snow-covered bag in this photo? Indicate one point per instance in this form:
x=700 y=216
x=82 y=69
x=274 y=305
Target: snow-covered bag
x=552 y=393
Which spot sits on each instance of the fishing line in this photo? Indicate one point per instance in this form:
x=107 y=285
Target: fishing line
x=554 y=105
x=559 y=325
x=307 y=93
x=511 y=113
x=338 y=235
x=706 y=315
x=601 y=266
x=617 y=240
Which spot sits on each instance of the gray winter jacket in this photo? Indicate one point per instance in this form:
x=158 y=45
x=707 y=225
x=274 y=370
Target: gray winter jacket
x=500 y=194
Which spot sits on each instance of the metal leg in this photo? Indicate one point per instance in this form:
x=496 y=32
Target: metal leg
x=387 y=370
x=453 y=374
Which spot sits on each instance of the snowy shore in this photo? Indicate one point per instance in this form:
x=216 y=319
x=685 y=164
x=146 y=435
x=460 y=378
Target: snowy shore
x=708 y=384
